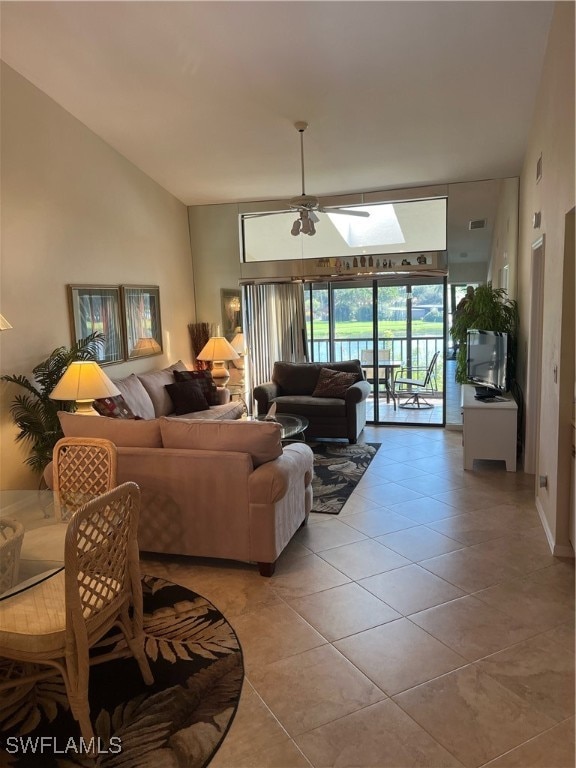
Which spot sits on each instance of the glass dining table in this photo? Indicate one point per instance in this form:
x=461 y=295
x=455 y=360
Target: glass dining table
x=31 y=540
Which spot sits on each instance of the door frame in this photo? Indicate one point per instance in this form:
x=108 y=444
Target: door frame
x=534 y=362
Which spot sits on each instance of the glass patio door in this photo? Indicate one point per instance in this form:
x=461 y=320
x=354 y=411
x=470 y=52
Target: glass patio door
x=394 y=329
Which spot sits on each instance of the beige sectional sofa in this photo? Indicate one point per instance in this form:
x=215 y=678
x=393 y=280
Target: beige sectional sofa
x=146 y=396
x=210 y=488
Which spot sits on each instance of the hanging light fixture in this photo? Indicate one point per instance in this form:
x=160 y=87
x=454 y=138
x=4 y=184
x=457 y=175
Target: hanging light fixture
x=304 y=224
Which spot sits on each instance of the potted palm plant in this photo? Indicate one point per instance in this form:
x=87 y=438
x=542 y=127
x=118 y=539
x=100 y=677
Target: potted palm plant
x=34 y=413
x=489 y=309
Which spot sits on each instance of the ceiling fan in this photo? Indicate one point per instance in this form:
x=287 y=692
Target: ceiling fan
x=307 y=205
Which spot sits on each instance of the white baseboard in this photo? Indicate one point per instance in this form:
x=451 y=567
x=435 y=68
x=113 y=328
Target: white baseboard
x=558 y=550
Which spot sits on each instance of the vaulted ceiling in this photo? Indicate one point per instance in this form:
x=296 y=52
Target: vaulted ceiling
x=202 y=96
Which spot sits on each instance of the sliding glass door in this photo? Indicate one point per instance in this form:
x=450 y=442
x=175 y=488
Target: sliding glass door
x=394 y=329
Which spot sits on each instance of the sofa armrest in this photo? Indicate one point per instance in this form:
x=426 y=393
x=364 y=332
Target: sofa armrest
x=264 y=394
x=357 y=392
x=223 y=396
x=270 y=481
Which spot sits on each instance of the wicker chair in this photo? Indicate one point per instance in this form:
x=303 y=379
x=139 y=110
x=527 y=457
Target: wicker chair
x=83 y=468
x=11 y=535
x=55 y=623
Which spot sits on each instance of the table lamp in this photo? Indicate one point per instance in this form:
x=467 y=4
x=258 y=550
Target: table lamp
x=84 y=381
x=217 y=350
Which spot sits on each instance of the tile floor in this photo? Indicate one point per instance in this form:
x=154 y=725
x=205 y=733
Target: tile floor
x=426 y=625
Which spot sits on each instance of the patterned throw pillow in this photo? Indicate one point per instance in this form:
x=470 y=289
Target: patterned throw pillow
x=204 y=380
x=187 y=397
x=114 y=407
x=333 y=383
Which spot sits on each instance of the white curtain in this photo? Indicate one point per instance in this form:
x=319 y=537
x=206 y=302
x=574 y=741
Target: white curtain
x=275 y=322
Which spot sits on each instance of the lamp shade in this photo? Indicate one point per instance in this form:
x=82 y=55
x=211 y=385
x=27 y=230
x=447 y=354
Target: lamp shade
x=238 y=343
x=218 y=348
x=146 y=346
x=84 y=381
x=4 y=324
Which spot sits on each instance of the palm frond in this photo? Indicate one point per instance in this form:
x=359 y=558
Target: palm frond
x=35 y=413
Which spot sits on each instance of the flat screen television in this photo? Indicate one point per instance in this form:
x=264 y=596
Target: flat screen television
x=486 y=360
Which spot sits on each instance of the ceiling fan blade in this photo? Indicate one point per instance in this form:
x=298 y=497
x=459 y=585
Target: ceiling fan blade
x=258 y=215
x=345 y=212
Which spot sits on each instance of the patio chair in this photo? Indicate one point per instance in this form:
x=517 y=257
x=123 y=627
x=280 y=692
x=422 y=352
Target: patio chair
x=54 y=624
x=367 y=362
x=415 y=386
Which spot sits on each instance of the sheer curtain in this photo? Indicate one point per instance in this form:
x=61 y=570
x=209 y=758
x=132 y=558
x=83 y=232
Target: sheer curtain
x=276 y=326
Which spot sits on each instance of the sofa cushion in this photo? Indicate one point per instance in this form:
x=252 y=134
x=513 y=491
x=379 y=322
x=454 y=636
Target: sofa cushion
x=114 y=407
x=333 y=383
x=154 y=382
x=204 y=380
x=262 y=440
x=187 y=397
x=128 y=433
x=222 y=412
x=312 y=407
x=136 y=397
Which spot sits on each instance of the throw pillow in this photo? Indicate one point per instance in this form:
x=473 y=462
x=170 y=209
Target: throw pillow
x=204 y=379
x=114 y=407
x=333 y=383
x=187 y=397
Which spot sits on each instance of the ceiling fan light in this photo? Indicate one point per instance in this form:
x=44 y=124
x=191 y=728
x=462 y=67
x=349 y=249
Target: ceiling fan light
x=305 y=226
x=295 y=228
x=311 y=228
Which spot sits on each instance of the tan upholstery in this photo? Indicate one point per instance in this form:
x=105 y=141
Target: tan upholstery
x=238 y=495
x=55 y=623
x=84 y=467
x=126 y=432
x=146 y=396
x=261 y=440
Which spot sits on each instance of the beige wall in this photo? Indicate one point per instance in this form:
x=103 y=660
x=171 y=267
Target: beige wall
x=215 y=245
x=75 y=211
x=503 y=253
x=552 y=136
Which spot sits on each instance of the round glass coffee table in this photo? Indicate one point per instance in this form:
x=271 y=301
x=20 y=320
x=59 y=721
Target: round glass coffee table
x=293 y=427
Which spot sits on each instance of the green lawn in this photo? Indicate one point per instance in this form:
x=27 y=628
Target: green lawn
x=386 y=329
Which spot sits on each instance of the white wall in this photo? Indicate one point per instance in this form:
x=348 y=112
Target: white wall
x=552 y=136
x=75 y=211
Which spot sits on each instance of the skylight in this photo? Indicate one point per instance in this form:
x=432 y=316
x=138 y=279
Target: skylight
x=382 y=228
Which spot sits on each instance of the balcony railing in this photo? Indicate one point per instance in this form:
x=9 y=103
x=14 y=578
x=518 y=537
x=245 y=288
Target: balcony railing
x=416 y=353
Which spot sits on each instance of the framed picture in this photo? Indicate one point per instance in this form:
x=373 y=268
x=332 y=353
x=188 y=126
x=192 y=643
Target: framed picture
x=142 y=327
x=231 y=311
x=97 y=308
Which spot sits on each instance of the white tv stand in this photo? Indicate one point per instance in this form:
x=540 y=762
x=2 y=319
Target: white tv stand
x=489 y=429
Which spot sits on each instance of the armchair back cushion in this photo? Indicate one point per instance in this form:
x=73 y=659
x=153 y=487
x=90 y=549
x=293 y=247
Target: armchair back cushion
x=302 y=378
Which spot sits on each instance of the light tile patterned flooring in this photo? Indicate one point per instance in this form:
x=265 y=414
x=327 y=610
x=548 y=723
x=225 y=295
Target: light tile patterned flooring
x=427 y=625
